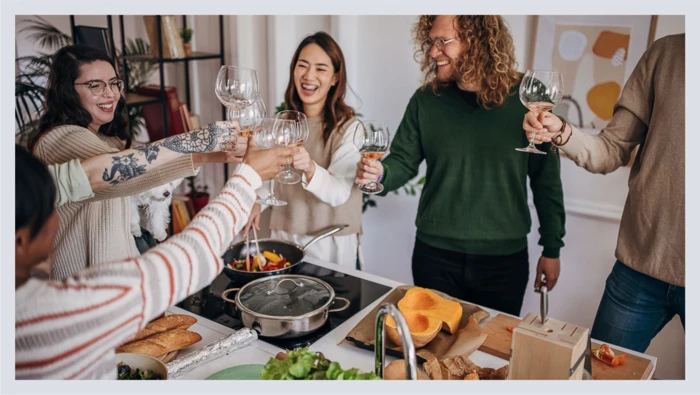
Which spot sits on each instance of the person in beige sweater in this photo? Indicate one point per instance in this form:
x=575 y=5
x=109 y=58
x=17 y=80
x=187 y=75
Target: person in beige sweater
x=646 y=288
x=326 y=196
x=85 y=117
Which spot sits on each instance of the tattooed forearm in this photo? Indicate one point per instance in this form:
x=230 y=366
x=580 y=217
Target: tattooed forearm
x=123 y=168
x=200 y=140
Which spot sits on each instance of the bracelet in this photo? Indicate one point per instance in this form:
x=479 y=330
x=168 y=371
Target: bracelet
x=557 y=141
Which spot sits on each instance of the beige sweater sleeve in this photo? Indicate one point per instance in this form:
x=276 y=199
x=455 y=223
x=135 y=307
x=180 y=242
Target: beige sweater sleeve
x=612 y=148
x=74 y=142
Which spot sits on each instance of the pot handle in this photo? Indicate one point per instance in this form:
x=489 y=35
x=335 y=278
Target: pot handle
x=228 y=291
x=347 y=304
x=325 y=233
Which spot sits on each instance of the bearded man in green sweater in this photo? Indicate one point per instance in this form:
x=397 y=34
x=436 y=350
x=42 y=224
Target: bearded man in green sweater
x=465 y=122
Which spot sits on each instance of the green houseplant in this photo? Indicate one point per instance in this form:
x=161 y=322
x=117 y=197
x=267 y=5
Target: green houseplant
x=186 y=35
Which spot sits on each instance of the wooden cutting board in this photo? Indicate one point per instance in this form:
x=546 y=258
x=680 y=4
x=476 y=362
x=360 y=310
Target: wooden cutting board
x=498 y=342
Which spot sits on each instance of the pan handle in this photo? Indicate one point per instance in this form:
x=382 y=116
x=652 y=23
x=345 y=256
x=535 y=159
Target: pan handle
x=228 y=291
x=347 y=304
x=328 y=232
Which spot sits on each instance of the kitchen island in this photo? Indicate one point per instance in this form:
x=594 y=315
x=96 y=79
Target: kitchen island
x=349 y=356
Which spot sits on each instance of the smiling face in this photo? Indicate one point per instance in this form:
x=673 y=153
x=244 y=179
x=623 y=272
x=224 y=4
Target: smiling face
x=314 y=76
x=444 y=27
x=101 y=107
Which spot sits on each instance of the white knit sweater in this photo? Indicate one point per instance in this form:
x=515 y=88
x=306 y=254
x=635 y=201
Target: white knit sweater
x=97 y=230
x=70 y=329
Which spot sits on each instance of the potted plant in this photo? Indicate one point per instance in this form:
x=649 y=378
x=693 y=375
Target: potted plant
x=186 y=35
x=198 y=194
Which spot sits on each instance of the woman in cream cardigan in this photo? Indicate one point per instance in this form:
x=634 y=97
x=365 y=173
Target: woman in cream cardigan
x=85 y=116
x=326 y=195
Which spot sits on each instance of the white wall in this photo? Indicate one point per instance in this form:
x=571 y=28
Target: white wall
x=383 y=75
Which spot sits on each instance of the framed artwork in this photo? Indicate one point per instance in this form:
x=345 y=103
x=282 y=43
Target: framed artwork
x=596 y=55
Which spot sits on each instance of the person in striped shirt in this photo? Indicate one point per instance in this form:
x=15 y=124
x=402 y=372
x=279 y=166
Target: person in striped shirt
x=70 y=329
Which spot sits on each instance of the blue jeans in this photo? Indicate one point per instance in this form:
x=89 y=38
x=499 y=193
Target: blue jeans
x=635 y=307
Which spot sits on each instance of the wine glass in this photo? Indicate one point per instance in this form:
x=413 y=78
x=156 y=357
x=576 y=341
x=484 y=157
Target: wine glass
x=291 y=130
x=540 y=91
x=371 y=138
x=249 y=116
x=237 y=88
x=264 y=138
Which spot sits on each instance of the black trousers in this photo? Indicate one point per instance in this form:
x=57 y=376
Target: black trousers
x=494 y=281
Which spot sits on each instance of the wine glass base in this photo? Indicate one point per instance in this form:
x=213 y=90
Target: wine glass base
x=371 y=190
x=288 y=178
x=271 y=202
x=531 y=150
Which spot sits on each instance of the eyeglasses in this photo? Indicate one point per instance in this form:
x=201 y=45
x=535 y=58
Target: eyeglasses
x=439 y=43
x=98 y=87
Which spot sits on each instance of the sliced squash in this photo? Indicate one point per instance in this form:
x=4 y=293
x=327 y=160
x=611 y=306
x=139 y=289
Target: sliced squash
x=430 y=304
x=272 y=257
x=423 y=328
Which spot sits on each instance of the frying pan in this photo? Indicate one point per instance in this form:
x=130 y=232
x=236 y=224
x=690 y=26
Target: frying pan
x=292 y=251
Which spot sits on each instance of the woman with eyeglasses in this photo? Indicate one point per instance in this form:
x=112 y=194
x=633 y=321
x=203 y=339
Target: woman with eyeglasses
x=85 y=116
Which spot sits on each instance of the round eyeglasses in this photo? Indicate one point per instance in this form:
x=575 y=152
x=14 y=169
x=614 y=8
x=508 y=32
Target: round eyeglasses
x=98 y=87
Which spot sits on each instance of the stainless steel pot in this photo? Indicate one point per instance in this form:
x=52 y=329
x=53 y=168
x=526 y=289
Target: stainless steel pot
x=285 y=306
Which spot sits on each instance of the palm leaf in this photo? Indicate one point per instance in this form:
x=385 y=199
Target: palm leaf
x=46 y=34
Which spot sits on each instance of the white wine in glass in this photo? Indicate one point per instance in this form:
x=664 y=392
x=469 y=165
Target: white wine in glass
x=371 y=138
x=540 y=91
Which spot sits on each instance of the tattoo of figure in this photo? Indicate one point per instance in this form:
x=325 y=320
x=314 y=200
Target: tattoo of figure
x=123 y=168
x=150 y=151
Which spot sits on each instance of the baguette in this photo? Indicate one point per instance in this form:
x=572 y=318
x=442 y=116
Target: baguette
x=162 y=343
x=164 y=324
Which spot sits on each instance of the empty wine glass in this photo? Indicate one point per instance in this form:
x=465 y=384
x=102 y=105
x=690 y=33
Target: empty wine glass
x=249 y=116
x=264 y=138
x=237 y=88
x=371 y=138
x=540 y=91
x=291 y=130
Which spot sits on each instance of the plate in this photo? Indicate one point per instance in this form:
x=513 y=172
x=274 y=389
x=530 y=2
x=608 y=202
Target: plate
x=241 y=372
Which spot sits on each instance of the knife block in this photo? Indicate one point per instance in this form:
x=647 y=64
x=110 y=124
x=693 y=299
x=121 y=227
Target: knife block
x=554 y=350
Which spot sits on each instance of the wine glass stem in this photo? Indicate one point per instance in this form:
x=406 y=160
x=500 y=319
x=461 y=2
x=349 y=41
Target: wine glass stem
x=272 y=190
x=532 y=137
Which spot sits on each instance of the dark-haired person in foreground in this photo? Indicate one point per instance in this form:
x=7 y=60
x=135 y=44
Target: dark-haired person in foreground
x=69 y=329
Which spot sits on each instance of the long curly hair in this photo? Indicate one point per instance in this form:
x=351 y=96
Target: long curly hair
x=335 y=111
x=63 y=106
x=488 y=60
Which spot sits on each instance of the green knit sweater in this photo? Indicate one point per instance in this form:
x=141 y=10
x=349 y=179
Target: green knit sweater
x=475 y=196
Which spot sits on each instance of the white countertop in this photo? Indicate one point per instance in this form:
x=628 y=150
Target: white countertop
x=348 y=356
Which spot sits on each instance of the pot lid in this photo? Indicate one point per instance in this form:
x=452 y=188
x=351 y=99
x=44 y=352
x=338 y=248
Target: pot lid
x=285 y=295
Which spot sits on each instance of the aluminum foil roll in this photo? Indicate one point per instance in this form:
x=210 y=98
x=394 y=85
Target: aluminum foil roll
x=219 y=348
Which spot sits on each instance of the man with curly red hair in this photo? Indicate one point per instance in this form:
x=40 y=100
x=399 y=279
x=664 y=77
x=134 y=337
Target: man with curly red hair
x=465 y=122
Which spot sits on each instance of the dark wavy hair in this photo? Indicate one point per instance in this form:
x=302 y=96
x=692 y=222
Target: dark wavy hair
x=63 y=106
x=335 y=111
x=489 y=58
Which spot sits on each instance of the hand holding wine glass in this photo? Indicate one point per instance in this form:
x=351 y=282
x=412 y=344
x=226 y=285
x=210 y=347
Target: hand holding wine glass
x=263 y=135
x=291 y=130
x=371 y=138
x=540 y=91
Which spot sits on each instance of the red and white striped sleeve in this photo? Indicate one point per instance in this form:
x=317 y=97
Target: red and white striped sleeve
x=64 y=329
